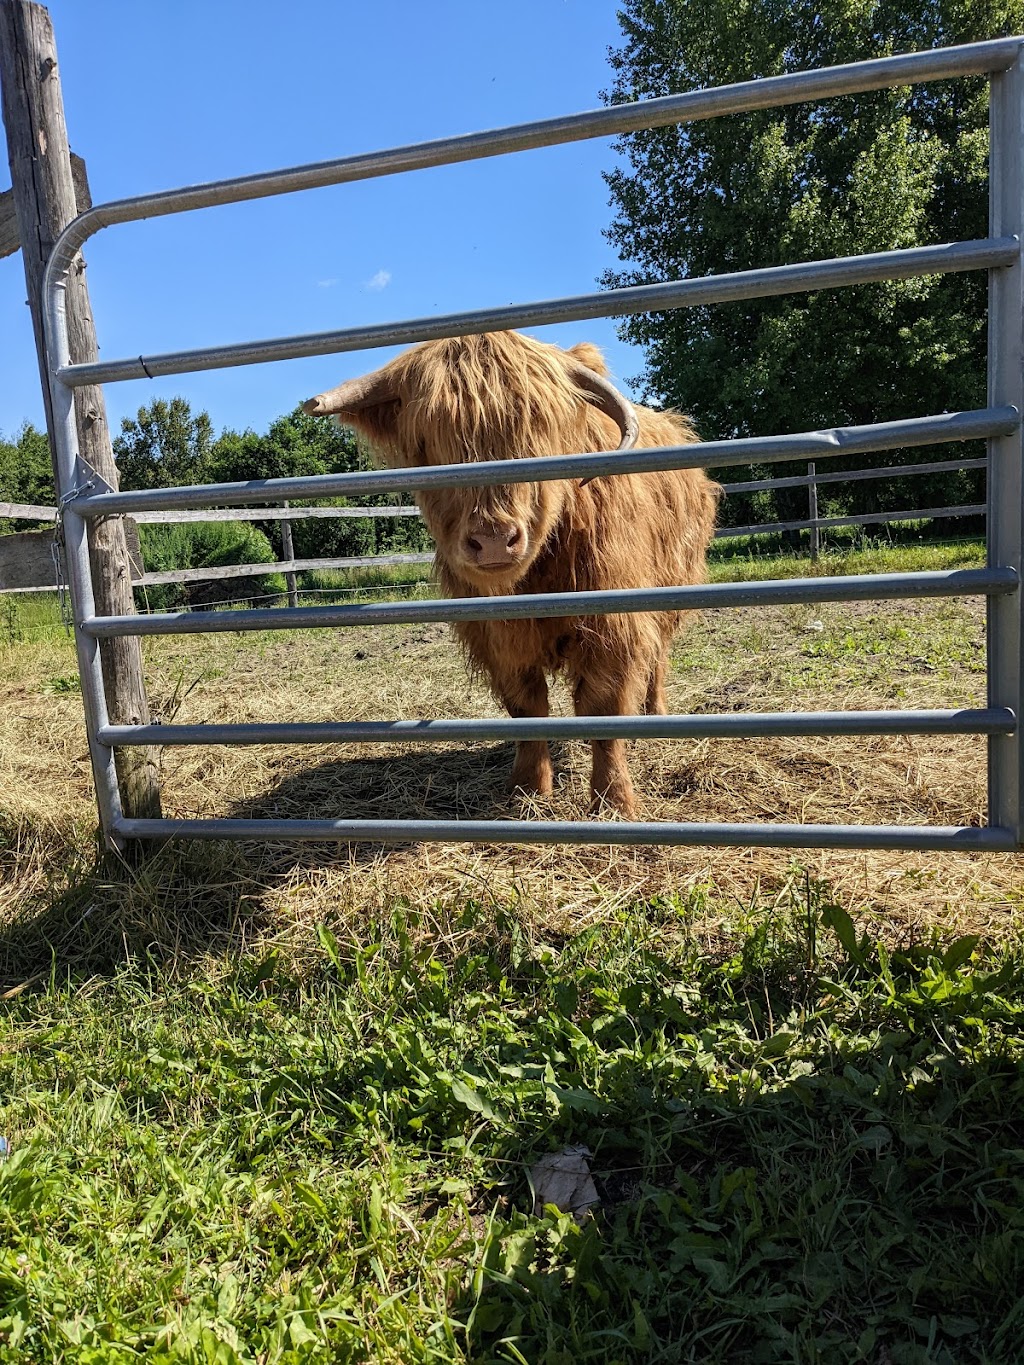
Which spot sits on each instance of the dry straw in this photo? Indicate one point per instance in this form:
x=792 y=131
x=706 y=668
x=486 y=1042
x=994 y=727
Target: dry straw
x=788 y=658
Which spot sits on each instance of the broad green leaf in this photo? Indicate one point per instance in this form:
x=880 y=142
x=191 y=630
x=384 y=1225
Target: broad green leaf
x=960 y=951
x=473 y=1100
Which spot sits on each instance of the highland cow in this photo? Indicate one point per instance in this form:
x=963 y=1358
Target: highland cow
x=503 y=396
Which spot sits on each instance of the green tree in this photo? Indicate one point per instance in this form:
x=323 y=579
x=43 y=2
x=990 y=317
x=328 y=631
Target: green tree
x=294 y=445
x=298 y=444
x=874 y=172
x=26 y=474
x=165 y=446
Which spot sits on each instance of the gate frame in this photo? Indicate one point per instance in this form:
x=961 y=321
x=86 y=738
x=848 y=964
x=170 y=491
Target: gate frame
x=82 y=494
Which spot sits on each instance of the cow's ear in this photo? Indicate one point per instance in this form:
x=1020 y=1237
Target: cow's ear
x=588 y=354
x=370 y=404
x=378 y=422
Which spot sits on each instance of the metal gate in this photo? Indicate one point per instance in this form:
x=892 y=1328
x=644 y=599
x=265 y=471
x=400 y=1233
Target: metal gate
x=82 y=496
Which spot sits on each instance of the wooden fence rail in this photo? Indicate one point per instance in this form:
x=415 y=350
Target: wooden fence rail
x=22 y=511
x=285 y=566
x=291 y=566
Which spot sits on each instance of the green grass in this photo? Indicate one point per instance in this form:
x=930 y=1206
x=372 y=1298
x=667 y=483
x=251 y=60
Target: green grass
x=379 y=576
x=29 y=616
x=841 y=650
x=808 y=1150
x=730 y=562
x=37 y=616
x=809 y=1146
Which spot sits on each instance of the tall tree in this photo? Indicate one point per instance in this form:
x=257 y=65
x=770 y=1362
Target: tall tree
x=26 y=472
x=164 y=446
x=872 y=172
x=298 y=444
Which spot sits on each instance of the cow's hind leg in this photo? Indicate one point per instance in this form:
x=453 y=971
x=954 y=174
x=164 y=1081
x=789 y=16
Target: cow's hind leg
x=656 y=703
x=610 y=782
x=526 y=694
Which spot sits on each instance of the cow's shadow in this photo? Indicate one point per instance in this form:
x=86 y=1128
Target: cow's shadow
x=187 y=898
x=451 y=783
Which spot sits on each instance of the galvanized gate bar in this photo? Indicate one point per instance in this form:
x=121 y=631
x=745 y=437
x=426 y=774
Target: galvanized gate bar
x=964 y=839
x=818 y=445
x=1005 y=527
x=748 y=725
x=699 y=597
x=311 y=513
x=645 y=298
x=908 y=68
x=32 y=512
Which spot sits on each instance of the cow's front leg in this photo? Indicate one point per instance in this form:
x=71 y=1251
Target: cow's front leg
x=526 y=694
x=610 y=782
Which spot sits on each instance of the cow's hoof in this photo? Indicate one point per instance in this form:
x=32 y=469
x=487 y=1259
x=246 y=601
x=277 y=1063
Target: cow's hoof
x=614 y=802
x=531 y=786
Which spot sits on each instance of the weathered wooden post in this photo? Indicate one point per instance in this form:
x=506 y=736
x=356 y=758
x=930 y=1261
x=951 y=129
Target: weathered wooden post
x=288 y=553
x=812 y=510
x=45 y=202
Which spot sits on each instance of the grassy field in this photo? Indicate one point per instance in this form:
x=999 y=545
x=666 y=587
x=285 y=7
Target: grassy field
x=278 y=1105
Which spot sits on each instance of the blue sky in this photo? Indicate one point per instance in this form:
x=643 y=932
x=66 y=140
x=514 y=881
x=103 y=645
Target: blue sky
x=160 y=93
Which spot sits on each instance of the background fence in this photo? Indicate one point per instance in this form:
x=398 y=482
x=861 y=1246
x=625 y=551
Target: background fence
x=290 y=566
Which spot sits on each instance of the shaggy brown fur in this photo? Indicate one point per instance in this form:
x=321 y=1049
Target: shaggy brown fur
x=504 y=396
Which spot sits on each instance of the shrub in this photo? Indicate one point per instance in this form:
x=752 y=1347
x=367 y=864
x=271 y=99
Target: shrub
x=206 y=544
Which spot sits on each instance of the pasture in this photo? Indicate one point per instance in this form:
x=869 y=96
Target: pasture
x=280 y=1104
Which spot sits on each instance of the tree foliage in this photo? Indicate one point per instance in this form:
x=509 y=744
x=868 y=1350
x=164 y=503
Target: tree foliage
x=26 y=474
x=880 y=171
x=166 y=444
x=298 y=444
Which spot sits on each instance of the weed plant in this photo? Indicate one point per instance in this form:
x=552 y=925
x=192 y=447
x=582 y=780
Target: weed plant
x=808 y=1148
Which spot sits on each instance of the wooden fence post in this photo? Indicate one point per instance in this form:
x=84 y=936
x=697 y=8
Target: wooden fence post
x=812 y=510
x=288 y=553
x=45 y=201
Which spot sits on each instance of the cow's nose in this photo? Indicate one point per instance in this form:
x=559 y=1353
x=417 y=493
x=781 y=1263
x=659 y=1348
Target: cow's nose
x=494 y=545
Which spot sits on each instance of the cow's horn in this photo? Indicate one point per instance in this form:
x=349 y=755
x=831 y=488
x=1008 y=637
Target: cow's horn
x=354 y=394
x=608 y=399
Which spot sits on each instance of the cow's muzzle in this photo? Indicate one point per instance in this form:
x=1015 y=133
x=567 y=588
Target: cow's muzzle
x=494 y=544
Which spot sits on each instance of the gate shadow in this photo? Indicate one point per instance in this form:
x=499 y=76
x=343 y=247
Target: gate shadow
x=456 y=782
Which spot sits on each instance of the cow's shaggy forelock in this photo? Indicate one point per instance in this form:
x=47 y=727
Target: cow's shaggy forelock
x=492 y=397
x=504 y=396
x=487 y=397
